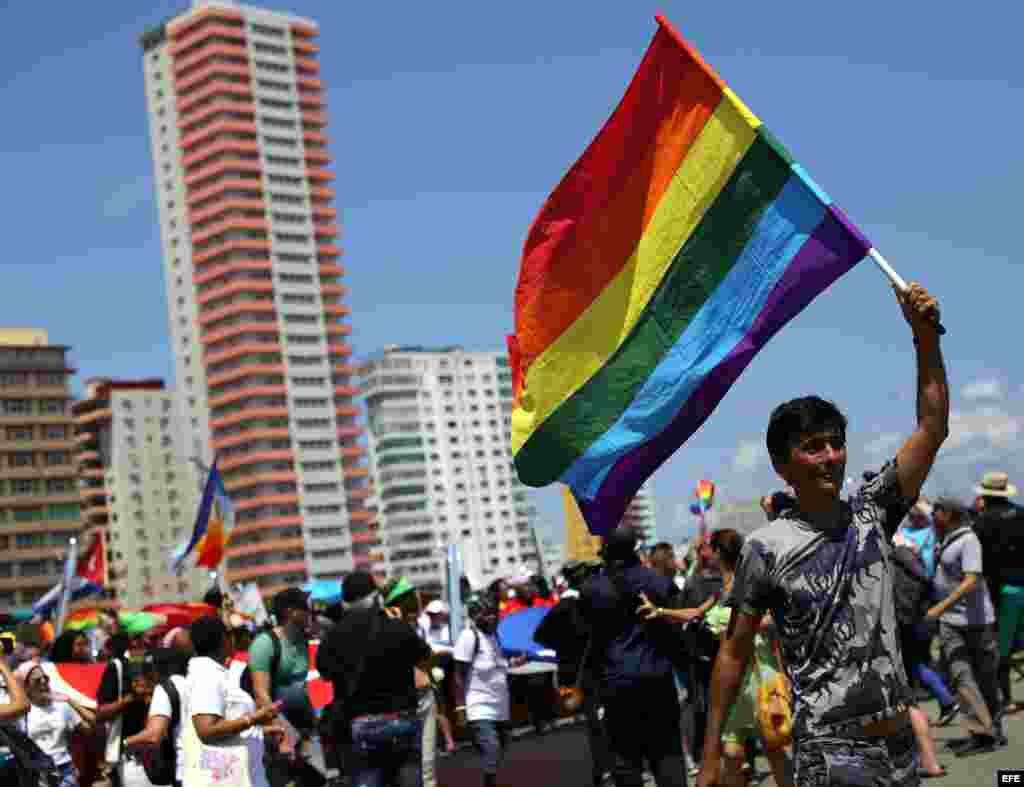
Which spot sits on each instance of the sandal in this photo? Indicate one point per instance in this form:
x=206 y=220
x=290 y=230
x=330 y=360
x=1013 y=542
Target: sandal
x=922 y=773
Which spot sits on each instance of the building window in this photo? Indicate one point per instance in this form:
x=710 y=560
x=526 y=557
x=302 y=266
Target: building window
x=16 y=406
x=22 y=459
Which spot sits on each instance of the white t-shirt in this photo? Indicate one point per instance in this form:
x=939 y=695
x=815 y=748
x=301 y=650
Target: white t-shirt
x=160 y=705
x=211 y=693
x=487 y=697
x=50 y=727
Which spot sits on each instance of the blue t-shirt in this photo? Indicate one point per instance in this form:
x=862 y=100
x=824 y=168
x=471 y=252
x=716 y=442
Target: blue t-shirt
x=925 y=539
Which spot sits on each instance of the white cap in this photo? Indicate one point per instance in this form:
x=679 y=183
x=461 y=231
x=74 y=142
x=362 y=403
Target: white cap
x=437 y=607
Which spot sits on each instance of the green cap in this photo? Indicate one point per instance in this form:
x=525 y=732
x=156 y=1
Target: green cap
x=399 y=589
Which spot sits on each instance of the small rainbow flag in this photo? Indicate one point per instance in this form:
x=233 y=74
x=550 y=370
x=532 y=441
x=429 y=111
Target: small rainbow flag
x=684 y=238
x=705 y=495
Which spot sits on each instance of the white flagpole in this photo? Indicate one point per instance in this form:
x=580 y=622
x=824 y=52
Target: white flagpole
x=65 y=591
x=897 y=281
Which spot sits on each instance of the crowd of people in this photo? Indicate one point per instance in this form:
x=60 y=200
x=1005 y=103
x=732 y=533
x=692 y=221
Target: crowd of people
x=809 y=640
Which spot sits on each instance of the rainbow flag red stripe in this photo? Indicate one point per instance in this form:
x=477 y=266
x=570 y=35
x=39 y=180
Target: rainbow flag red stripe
x=682 y=240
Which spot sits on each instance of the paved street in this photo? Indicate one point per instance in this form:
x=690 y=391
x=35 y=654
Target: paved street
x=558 y=759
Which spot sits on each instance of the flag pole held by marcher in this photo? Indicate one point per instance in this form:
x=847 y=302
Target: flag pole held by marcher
x=897 y=281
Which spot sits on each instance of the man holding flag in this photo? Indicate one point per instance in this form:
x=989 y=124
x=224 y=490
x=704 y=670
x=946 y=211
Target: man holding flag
x=822 y=571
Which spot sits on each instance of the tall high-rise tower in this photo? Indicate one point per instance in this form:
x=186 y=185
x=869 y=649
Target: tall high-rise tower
x=258 y=326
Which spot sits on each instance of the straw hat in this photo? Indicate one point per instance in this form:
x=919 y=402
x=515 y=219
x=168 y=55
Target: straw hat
x=996 y=485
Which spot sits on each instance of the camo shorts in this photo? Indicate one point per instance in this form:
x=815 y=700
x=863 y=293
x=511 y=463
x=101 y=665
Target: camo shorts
x=858 y=762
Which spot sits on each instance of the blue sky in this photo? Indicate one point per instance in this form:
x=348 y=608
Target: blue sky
x=451 y=126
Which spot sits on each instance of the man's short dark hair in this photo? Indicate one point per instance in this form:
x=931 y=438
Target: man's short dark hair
x=795 y=419
x=287 y=600
x=208 y=636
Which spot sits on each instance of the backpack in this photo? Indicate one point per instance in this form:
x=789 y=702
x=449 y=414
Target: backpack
x=911 y=586
x=1000 y=529
x=161 y=763
x=245 y=679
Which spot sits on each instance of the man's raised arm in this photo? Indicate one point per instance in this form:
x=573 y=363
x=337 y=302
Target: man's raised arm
x=914 y=460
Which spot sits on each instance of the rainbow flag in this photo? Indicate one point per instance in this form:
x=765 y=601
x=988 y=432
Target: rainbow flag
x=705 y=495
x=684 y=238
x=210 y=534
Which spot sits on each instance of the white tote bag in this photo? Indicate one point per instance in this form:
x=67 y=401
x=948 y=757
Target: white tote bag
x=114 y=731
x=221 y=765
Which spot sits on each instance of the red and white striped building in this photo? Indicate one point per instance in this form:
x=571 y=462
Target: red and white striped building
x=257 y=307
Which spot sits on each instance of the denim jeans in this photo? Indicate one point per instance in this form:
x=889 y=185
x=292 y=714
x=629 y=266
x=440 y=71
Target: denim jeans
x=490 y=739
x=386 y=752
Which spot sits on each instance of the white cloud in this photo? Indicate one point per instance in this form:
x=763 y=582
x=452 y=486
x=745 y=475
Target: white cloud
x=749 y=454
x=883 y=445
x=982 y=389
x=988 y=427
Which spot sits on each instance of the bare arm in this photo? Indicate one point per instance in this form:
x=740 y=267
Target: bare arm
x=211 y=729
x=730 y=666
x=156 y=728
x=87 y=716
x=114 y=709
x=967 y=584
x=914 y=460
x=18 y=705
x=261 y=688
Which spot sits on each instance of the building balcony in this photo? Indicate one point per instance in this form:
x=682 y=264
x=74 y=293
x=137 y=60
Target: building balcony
x=353 y=473
x=307 y=65
x=316 y=175
x=331 y=269
x=208 y=319
x=232 y=51
x=97 y=513
x=93 y=493
x=248 y=436
x=199 y=215
x=198 y=35
x=216 y=147
x=220 y=109
x=248 y=414
x=271 y=523
x=321 y=193
x=57 y=471
x=211 y=132
x=230 y=224
x=97 y=473
x=218 y=168
x=270 y=545
x=253 y=348
x=249 y=331
x=205 y=257
x=255 y=391
x=248 y=370
x=257 y=479
x=232 y=267
x=87 y=457
x=268 y=570
x=212 y=70
x=102 y=414
x=242 y=287
x=256 y=457
x=207 y=196
x=233 y=91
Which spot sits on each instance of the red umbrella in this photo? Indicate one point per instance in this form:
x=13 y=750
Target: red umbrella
x=181 y=614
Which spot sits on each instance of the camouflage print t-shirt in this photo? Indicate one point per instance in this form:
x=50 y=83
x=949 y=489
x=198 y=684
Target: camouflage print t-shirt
x=829 y=589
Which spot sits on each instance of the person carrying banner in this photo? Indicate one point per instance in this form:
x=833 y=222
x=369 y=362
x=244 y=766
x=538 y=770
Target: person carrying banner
x=822 y=570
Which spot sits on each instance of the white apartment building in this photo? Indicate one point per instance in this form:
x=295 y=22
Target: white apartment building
x=441 y=457
x=257 y=320
x=139 y=486
x=641 y=514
